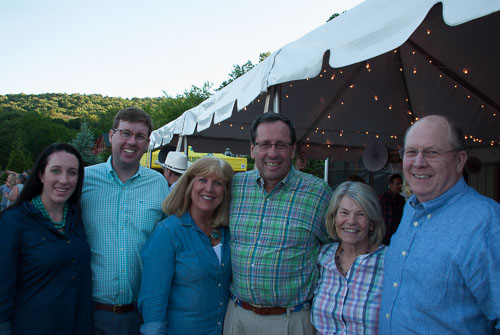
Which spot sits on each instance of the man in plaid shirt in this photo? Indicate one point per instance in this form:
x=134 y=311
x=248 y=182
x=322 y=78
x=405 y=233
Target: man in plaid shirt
x=277 y=227
x=392 y=206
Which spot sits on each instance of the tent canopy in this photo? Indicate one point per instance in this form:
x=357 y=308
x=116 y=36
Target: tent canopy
x=366 y=76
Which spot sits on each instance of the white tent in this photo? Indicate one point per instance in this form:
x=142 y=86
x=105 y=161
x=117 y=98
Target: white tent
x=365 y=76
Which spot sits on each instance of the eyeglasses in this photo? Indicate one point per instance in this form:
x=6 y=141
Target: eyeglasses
x=411 y=154
x=266 y=146
x=127 y=134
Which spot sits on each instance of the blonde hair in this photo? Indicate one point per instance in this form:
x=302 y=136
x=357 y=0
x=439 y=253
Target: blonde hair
x=179 y=200
x=366 y=198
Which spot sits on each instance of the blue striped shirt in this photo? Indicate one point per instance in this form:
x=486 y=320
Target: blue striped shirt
x=118 y=219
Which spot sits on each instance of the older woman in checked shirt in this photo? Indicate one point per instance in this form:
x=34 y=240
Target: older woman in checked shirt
x=347 y=296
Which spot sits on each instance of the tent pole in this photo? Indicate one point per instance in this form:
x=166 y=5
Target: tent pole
x=327 y=164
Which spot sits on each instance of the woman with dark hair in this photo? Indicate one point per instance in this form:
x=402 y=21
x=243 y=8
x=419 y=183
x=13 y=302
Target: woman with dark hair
x=45 y=279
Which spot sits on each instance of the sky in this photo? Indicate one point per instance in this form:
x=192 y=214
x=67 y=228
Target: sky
x=143 y=48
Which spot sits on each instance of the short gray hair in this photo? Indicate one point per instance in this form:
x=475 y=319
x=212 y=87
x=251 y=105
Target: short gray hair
x=366 y=198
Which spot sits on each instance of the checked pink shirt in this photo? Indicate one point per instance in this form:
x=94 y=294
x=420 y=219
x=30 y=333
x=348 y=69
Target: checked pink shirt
x=348 y=305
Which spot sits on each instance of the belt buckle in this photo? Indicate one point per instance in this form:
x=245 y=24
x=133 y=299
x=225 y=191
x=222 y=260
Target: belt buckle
x=116 y=308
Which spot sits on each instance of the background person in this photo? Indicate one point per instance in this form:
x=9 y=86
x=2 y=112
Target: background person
x=121 y=205
x=392 y=203
x=176 y=163
x=45 y=280
x=442 y=269
x=277 y=226
x=5 y=190
x=187 y=269
x=16 y=189
x=347 y=298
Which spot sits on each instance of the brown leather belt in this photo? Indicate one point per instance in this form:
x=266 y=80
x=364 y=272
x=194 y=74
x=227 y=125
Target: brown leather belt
x=115 y=308
x=262 y=310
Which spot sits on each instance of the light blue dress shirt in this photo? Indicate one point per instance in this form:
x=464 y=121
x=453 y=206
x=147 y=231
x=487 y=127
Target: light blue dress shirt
x=442 y=269
x=118 y=219
x=184 y=289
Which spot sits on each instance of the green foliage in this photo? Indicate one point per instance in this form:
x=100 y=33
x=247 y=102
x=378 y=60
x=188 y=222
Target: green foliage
x=18 y=160
x=237 y=71
x=84 y=141
x=315 y=167
x=263 y=55
x=334 y=15
x=170 y=108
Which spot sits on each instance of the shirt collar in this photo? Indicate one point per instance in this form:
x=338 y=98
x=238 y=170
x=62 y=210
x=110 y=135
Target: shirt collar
x=109 y=168
x=282 y=183
x=432 y=205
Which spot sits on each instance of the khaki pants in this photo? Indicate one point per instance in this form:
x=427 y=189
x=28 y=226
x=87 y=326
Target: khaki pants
x=239 y=321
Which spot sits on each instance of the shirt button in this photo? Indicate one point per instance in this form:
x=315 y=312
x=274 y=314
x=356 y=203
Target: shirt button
x=220 y=304
x=387 y=316
x=222 y=264
x=219 y=284
x=395 y=284
x=429 y=216
x=403 y=253
x=69 y=242
x=121 y=249
x=219 y=323
x=415 y=223
x=44 y=238
x=252 y=265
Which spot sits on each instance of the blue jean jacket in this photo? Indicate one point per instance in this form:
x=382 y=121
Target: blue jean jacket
x=184 y=288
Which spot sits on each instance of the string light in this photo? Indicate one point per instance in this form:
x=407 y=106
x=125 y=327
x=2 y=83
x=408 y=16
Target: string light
x=333 y=76
x=351 y=86
x=375 y=97
x=428 y=31
x=414 y=70
x=329 y=116
x=390 y=107
x=465 y=71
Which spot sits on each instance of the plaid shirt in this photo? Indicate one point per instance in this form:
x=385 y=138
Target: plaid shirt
x=276 y=236
x=392 y=211
x=348 y=305
x=118 y=219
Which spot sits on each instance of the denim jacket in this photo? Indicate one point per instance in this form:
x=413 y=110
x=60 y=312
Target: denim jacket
x=184 y=289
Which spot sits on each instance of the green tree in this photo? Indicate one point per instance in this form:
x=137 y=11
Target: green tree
x=38 y=131
x=239 y=70
x=19 y=160
x=84 y=141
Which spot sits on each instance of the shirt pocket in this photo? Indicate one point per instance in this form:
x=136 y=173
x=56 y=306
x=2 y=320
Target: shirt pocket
x=189 y=268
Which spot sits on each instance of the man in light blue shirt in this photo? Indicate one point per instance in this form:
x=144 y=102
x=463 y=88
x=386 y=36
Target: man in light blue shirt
x=121 y=204
x=442 y=269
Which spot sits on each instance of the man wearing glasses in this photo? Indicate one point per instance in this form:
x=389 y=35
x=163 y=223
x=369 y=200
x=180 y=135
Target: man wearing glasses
x=121 y=204
x=442 y=269
x=277 y=227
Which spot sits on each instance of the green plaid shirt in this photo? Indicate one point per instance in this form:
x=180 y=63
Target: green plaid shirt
x=276 y=236
x=118 y=219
